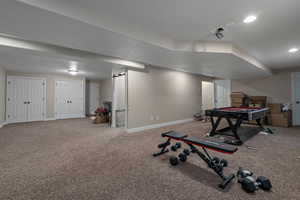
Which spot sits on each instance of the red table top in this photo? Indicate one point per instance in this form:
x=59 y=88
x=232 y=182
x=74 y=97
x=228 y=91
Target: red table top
x=245 y=108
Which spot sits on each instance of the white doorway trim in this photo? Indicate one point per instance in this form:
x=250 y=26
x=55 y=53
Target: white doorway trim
x=114 y=103
x=226 y=102
x=293 y=87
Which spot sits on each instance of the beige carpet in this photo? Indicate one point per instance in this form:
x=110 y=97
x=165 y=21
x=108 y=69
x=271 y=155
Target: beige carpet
x=74 y=159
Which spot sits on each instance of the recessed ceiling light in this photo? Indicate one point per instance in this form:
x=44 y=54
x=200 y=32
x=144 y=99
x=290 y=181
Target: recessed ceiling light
x=250 y=19
x=73 y=71
x=293 y=50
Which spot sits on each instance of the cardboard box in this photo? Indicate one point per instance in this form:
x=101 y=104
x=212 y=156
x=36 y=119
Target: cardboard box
x=236 y=104
x=275 y=108
x=283 y=119
x=100 y=119
x=238 y=95
x=258 y=98
x=237 y=100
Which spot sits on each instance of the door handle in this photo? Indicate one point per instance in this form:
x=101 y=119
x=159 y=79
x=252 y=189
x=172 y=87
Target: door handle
x=297 y=102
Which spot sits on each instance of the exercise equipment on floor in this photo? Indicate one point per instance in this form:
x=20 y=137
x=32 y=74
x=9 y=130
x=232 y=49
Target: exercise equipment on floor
x=215 y=163
x=176 y=146
x=249 y=184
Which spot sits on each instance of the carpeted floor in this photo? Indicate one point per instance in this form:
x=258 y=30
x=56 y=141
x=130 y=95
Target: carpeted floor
x=74 y=159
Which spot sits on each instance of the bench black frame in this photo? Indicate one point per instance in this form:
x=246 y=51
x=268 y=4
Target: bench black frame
x=203 y=155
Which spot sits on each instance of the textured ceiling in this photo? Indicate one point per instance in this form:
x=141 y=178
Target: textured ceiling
x=169 y=21
x=161 y=33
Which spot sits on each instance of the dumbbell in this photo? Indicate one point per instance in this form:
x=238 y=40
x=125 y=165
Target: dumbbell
x=264 y=183
x=186 y=152
x=182 y=157
x=249 y=184
x=176 y=146
x=242 y=173
x=163 y=145
x=173 y=160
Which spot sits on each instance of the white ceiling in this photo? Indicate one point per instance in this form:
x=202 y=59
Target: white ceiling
x=26 y=61
x=170 y=33
x=165 y=22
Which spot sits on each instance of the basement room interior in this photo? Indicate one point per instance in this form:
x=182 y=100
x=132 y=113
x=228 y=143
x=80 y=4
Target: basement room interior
x=149 y=100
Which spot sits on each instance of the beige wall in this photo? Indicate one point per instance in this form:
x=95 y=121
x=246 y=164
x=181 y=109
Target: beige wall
x=106 y=90
x=50 y=90
x=161 y=95
x=277 y=87
x=88 y=94
x=2 y=94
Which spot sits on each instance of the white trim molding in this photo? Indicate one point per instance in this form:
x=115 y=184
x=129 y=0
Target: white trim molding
x=3 y=124
x=153 y=126
x=50 y=119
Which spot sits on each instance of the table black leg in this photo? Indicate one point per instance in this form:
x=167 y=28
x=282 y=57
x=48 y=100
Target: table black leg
x=214 y=125
x=234 y=129
x=237 y=125
x=258 y=121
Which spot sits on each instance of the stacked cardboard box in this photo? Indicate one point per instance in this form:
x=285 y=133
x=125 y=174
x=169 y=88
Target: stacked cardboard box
x=279 y=118
x=258 y=101
x=237 y=99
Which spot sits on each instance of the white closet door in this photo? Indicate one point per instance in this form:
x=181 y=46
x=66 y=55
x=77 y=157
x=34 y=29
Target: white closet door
x=11 y=100
x=21 y=99
x=69 y=99
x=296 y=99
x=36 y=99
x=61 y=104
x=76 y=99
x=25 y=99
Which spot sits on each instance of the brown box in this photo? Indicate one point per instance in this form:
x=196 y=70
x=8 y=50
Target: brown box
x=100 y=119
x=283 y=119
x=237 y=100
x=238 y=95
x=236 y=104
x=258 y=98
x=275 y=108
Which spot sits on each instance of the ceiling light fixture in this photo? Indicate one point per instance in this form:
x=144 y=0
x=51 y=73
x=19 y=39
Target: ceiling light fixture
x=250 y=19
x=293 y=50
x=73 y=72
x=219 y=33
x=73 y=68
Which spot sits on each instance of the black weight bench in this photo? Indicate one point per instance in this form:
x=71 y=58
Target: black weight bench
x=192 y=142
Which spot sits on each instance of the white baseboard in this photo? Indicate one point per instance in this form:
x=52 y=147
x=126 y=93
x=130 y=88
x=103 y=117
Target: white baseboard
x=152 y=126
x=3 y=124
x=50 y=119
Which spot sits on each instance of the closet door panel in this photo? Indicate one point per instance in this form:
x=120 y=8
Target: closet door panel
x=11 y=100
x=61 y=104
x=36 y=99
x=21 y=85
x=76 y=99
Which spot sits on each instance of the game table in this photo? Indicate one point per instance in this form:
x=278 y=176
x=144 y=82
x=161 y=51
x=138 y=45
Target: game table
x=235 y=116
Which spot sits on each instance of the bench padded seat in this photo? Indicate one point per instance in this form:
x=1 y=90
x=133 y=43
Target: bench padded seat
x=174 y=135
x=213 y=145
